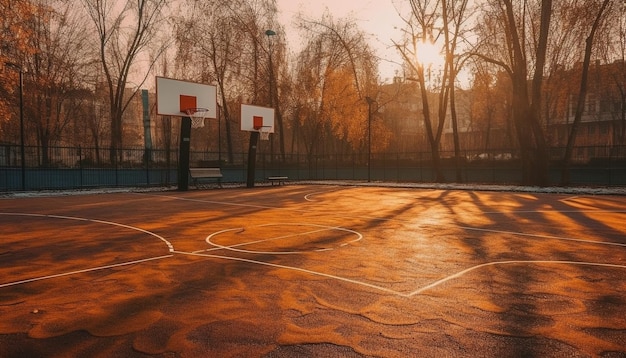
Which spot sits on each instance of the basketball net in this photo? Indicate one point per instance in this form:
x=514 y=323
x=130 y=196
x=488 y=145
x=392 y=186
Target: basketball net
x=265 y=132
x=197 y=116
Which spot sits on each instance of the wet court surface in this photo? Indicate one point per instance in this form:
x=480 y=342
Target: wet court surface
x=318 y=271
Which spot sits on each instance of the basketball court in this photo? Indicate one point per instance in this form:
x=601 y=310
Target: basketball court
x=313 y=270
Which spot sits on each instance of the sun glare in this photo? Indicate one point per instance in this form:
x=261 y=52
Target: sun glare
x=429 y=54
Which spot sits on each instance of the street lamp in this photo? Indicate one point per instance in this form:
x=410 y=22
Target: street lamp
x=370 y=101
x=21 y=72
x=270 y=33
x=219 y=134
x=254 y=135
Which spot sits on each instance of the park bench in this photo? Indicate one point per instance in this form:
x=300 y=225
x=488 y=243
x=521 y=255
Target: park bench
x=277 y=179
x=199 y=174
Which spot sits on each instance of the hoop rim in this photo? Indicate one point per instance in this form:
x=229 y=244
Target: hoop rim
x=198 y=112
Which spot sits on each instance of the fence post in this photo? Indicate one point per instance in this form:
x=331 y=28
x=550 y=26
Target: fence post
x=80 y=165
x=397 y=167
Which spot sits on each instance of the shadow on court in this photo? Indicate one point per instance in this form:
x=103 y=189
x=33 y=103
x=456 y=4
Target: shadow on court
x=319 y=271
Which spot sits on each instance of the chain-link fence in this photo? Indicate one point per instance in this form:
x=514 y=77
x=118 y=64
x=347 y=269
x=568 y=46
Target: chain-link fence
x=72 y=168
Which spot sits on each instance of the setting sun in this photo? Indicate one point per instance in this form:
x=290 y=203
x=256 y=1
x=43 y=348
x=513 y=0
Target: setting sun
x=429 y=54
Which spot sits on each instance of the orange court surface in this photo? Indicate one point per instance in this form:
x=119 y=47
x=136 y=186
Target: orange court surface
x=313 y=271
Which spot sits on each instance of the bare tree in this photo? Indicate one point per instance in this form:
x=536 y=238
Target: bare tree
x=307 y=101
x=523 y=27
x=226 y=42
x=490 y=110
x=124 y=30
x=618 y=53
x=57 y=65
x=454 y=16
x=582 y=93
x=208 y=43
x=423 y=30
x=614 y=39
x=263 y=36
x=335 y=74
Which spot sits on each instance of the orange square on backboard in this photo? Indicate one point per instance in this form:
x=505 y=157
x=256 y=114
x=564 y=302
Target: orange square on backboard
x=187 y=102
x=257 y=122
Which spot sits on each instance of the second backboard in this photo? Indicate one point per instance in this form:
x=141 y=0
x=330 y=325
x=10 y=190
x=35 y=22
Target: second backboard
x=257 y=118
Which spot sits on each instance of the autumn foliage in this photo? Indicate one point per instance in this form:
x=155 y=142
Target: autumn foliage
x=16 y=38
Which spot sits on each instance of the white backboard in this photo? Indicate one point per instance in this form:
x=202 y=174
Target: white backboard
x=248 y=112
x=169 y=92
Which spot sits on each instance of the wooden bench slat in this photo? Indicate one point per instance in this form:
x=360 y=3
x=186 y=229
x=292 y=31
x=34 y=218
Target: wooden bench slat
x=206 y=173
x=279 y=179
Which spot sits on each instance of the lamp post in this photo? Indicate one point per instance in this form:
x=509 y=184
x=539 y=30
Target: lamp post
x=370 y=101
x=270 y=33
x=23 y=163
x=254 y=135
x=219 y=134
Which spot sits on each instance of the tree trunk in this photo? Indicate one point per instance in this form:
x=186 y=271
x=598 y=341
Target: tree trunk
x=571 y=139
x=432 y=140
x=455 y=129
x=526 y=110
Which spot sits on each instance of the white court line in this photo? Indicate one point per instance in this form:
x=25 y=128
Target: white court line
x=495 y=263
x=418 y=291
x=234 y=247
x=609 y=243
x=169 y=244
x=380 y=288
x=213 y=202
x=398 y=293
x=308 y=198
x=585 y=211
x=83 y=271
x=438 y=282
x=316 y=273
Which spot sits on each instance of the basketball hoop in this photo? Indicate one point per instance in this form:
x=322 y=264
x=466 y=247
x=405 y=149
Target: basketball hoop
x=265 y=132
x=197 y=116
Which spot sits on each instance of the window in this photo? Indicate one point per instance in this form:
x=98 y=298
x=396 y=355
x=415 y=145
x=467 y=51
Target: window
x=591 y=152
x=605 y=105
x=591 y=103
x=604 y=128
x=591 y=129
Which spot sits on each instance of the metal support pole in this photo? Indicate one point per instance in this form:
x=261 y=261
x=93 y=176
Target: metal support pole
x=369 y=138
x=270 y=33
x=219 y=135
x=254 y=140
x=22 y=151
x=183 y=154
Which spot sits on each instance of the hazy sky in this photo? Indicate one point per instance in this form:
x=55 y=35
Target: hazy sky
x=378 y=18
